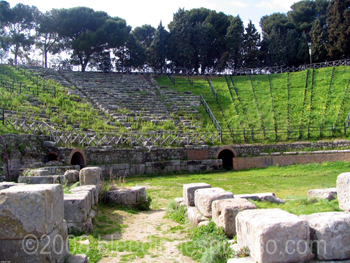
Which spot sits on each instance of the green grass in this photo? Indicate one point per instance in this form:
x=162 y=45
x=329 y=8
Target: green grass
x=305 y=100
x=286 y=181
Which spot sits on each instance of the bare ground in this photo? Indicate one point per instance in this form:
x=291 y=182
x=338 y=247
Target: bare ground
x=143 y=225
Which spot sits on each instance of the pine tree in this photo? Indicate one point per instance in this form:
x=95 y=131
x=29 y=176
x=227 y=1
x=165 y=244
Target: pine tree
x=338 y=20
x=251 y=39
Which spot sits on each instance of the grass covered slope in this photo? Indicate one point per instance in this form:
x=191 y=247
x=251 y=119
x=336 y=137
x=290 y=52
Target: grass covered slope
x=299 y=105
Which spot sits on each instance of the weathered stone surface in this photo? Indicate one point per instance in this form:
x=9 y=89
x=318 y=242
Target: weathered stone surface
x=273 y=235
x=330 y=234
x=5 y=185
x=49 y=179
x=72 y=176
x=78 y=259
x=179 y=200
x=90 y=175
x=205 y=197
x=194 y=216
x=40 y=172
x=188 y=192
x=343 y=190
x=328 y=194
x=127 y=196
x=263 y=197
x=30 y=209
x=75 y=227
x=48 y=144
x=90 y=188
x=77 y=207
x=225 y=211
x=47 y=249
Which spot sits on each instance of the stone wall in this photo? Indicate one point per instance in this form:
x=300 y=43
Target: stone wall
x=284 y=160
x=22 y=150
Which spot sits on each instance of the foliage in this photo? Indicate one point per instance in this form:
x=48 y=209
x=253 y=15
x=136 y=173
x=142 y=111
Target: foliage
x=176 y=212
x=208 y=245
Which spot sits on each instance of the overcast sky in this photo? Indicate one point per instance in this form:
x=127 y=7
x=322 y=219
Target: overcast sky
x=140 y=12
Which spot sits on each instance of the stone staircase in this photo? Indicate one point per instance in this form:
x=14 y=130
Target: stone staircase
x=130 y=100
x=133 y=99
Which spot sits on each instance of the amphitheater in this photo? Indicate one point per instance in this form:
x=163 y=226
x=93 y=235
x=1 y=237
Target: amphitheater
x=134 y=124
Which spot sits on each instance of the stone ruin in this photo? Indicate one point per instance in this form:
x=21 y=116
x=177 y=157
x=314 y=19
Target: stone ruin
x=36 y=217
x=274 y=235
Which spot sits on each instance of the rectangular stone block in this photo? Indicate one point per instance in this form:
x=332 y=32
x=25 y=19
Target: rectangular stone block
x=76 y=227
x=273 y=235
x=77 y=207
x=189 y=189
x=129 y=196
x=53 y=247
x=5 y=185
x=30 y=209
x=90 y=188
x=90 y=175
x=263 y=197
x=225 y=212
x=343 y=190
x=328 y=194
x=194 y=216
x=330 y=235
x=203 y=198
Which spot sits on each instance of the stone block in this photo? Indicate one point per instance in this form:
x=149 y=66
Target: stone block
x=188 y=192
x=78 y=259
x=205 y=197
x=30 y=209
x=50 y=179
x=76 y=227
x=330 y=235
x=129 y=196
x=273 y=235
x=194 y=216
x=225 y=212
x=263 y=197
x=77 y=207
x=90 y=175
x=40 y=172
x=89 y=188
x=328 y=194
x=44 y=249
x=72 y=176
x=343 y=190
x=6 y=185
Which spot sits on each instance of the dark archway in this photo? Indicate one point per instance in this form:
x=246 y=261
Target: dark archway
x=78 y=159
x=226 y=154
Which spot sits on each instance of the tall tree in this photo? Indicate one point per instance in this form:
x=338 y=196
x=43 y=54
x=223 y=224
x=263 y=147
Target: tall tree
x=47 y=38
x=319 y=40
x=5 y=17
x=144 y=35
x=159 y=49
x=303 y=13
x=251 y=41
x=303 y=56
x=234 y=43
x=338 y=20
x=292 y=46
x=22 y=21
x=88 y=32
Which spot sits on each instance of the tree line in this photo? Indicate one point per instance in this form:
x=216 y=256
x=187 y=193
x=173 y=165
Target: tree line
x=197 y=40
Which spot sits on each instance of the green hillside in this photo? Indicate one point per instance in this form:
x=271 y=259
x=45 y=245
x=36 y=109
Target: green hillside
x=310 y=104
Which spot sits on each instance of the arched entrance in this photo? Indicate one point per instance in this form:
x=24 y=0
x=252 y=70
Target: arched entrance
x=226 y=154
x=77 y=157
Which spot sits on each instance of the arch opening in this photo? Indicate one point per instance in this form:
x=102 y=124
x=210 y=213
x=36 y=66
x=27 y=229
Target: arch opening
x=78 y=159
x=227 y=159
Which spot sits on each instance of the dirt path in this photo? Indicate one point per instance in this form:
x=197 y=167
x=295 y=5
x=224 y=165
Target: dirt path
x=146 y=226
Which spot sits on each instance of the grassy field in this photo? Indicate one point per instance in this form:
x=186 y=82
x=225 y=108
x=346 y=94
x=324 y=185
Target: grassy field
x=307 y=103
x=289 y=183
x=286 y=182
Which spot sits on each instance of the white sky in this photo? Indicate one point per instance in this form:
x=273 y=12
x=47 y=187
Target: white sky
x=140 y=12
